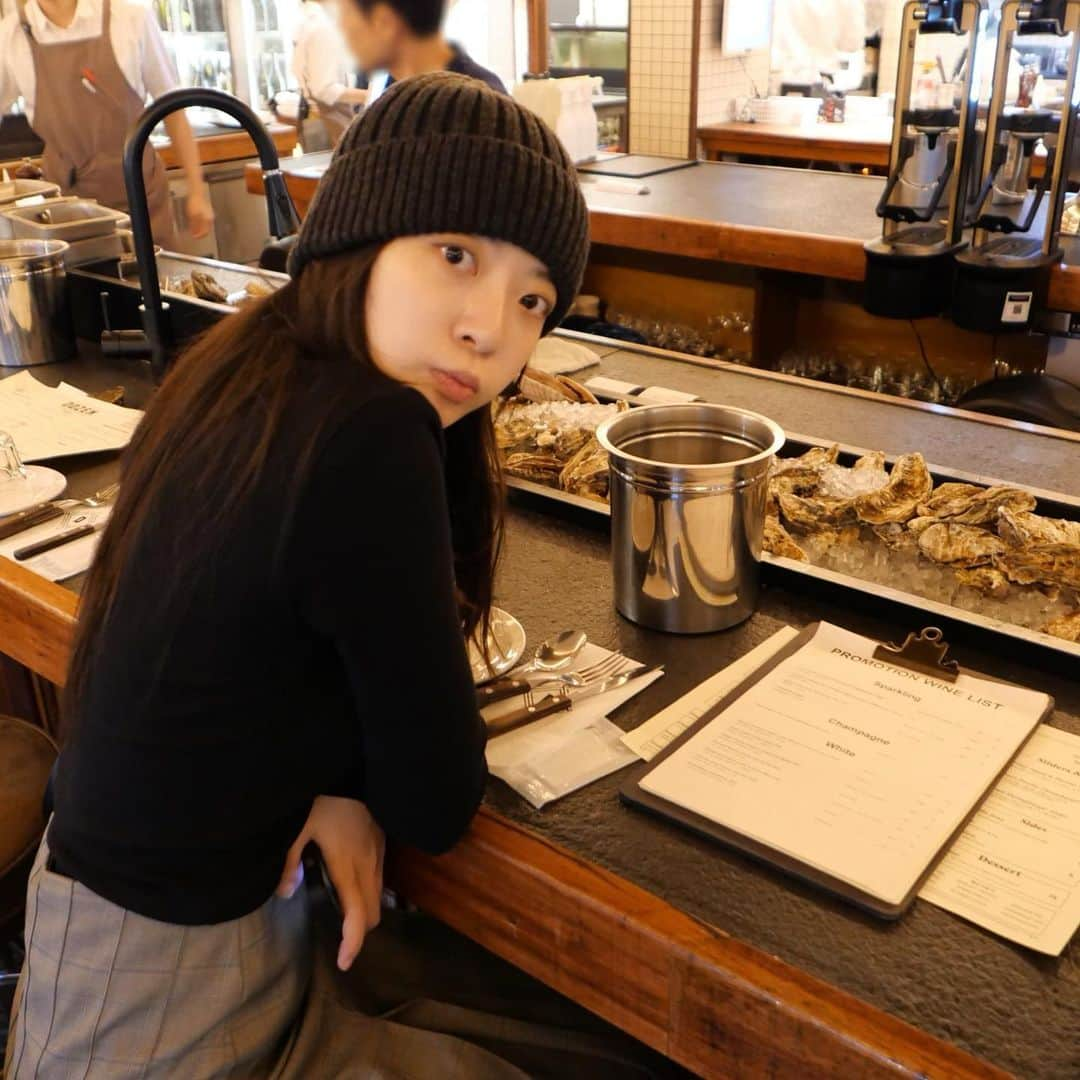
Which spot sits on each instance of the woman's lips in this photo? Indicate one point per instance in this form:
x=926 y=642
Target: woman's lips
x=458 y=386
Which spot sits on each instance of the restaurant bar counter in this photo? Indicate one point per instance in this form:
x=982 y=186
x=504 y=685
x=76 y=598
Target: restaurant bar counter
x=724 y=965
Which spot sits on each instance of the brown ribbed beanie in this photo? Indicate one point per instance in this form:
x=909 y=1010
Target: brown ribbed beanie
x=446 y=153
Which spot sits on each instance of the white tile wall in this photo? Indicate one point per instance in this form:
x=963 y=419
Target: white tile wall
x=722 y=79
x=661 y=76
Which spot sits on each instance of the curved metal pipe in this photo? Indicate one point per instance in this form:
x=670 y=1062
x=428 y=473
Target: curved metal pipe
x=281 y=213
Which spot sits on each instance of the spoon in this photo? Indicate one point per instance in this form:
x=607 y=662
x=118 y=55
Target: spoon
x=555 y=654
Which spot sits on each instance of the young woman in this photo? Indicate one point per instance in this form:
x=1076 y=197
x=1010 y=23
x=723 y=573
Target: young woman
x=271 y=642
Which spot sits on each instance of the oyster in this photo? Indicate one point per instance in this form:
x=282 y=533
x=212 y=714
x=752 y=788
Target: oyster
x=985 y=579
x=540 y=468
x=919 y=525
x=1066 y=626
x=909 y=484
x=1053 y=564
x=966 y=504
x=814 y=513
x=556 y=428
x=778 y=541
x=207 y=288
x=812 y=462
x=1020 y=529
x=959 y=545
x=895 y=536
x=586 y=473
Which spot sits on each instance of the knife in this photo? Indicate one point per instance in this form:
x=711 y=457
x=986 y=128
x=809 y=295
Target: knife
x=560 y=702
x=510 y=686
x=27 y=519
x=41 y=546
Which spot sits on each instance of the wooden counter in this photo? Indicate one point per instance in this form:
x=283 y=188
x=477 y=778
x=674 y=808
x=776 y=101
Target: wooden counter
x=760 y=216
x=231 y=145
x=725 y=966
x=865 y=143
x=850 y=143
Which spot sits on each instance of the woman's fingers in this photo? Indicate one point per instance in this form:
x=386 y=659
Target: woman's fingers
x=292 y=876
x=357 y=915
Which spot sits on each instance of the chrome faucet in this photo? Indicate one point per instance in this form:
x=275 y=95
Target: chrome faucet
x=279 y=205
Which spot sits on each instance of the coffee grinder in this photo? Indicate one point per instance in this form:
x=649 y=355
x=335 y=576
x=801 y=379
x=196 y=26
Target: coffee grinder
x=932 y=165
x=1002 y=277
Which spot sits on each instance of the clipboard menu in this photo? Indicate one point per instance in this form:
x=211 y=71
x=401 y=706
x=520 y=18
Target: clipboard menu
x=841 y=767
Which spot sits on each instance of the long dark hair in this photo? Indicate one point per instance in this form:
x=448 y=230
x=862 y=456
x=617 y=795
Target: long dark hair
x=221 y=412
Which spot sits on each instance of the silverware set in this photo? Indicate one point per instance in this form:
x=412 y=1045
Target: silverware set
x=41 y=515
x=546 y=688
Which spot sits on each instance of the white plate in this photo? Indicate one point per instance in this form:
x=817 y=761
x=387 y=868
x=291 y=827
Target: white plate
x=41 y=485
x=507 y=637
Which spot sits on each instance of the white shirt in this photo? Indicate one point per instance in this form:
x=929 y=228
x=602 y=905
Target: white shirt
x=133 y=31
x=811 y=36
x=319 y=62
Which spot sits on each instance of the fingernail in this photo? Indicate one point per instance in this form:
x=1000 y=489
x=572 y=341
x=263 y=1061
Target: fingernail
x=344 y=960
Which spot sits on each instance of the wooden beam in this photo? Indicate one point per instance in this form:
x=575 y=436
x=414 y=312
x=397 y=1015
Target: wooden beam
x=710 y=1002
x=538 y=36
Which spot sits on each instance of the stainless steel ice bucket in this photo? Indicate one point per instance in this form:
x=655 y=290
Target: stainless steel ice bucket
x=688 y=487
x=35 y=322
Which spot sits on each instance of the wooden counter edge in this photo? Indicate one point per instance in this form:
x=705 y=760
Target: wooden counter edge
x=746 y=245
x=688 y=990
x=232 y=146
x=37 y=621
x=710 y=1002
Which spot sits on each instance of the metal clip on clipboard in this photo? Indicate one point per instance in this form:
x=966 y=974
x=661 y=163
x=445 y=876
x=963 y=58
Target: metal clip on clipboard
x=924 y=652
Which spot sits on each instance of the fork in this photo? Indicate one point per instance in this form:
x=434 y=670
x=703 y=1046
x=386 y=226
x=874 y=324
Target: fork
x=98 y=499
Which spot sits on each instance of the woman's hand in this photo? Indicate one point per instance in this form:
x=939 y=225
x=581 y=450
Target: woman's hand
x=352 y=847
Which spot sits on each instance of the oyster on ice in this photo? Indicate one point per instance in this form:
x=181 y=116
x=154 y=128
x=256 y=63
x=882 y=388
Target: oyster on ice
x=966 y=504
x=586 y=473
x=1020 y=529
x=778 y=541
x=1053 y=564
x=895 y=536
x=866 y=475
x=909 y=485
x=985 y=579
x=959 y=545
x=812 y=513
x=1066 y=626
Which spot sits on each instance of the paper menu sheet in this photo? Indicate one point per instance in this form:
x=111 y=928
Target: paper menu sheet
x=649 y=738
x=48 y=422
x=850 y=765
x=1015 y=869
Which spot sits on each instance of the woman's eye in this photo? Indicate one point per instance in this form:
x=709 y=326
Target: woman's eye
x=455 y=255
x=536 y=304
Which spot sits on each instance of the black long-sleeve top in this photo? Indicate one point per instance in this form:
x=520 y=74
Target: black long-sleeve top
x=203 y=736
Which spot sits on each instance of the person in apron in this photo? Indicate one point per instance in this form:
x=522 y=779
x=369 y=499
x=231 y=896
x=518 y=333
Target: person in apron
x=83 y=106
x=321 y=70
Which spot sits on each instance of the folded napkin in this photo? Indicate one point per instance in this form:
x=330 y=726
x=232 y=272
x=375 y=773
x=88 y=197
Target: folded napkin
x=556 y=755
x=561 y=356
x=68 y=560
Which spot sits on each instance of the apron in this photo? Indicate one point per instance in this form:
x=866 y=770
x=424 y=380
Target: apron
x=84 y=131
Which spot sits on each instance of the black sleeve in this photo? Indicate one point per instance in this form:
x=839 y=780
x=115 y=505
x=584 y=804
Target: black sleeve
x=377 y=580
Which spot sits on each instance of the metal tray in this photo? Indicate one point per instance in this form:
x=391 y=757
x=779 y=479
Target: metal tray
x=1053 y=504
x=72 y=219
x=11 y=191
x=115 y=285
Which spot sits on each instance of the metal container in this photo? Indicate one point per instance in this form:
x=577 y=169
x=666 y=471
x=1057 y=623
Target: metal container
x=35 y=322
x=688 y=488
x=67 y=219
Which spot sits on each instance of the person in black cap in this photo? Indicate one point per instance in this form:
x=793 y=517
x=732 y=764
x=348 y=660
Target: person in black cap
x=309 y=508
x=397 y=39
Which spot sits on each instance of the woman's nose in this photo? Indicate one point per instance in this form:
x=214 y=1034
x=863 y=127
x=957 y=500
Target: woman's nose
x=480 y=326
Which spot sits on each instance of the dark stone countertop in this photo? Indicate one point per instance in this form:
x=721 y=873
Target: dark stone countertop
x=1007 y=1004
